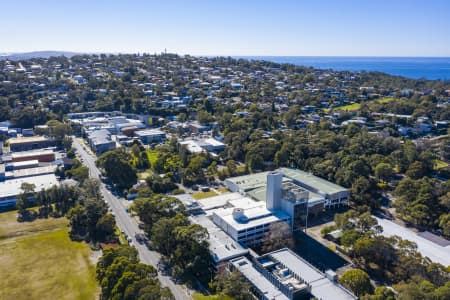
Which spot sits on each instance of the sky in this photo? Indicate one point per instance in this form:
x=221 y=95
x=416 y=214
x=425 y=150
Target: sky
x=229 y=27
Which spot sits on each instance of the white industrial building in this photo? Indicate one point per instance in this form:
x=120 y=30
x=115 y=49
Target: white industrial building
x=100 y=141
x=282 y=274
x=202 y=145
x=149 y=136
x=10 y=189
x=322 y=194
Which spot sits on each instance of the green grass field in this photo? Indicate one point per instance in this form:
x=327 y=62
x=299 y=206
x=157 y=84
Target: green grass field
x=152 y=156
x=349 y=107
x=198 y=296
x=203 y=195
x=39 y=261
x=357 y=106
x=384 y=100
x=9 y=227
x=439 y=164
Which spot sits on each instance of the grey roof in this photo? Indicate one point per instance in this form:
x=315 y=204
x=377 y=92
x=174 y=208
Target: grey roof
x=321 y=286
x=221 y=245
x=257 y=279
x=11 y=187
x=321 y=185
x=253 y=181
x=101 y=136
x=260 y=195
x=148 y=132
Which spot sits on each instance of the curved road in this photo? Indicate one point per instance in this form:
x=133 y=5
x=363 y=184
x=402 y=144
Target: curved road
x=126 y=223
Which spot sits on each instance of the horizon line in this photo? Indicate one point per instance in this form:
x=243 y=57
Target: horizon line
x=220 y=55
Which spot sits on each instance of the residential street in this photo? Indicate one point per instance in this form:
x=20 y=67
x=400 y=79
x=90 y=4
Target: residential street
x=126 y=223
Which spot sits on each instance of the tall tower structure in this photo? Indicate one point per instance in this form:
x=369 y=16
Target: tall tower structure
x=273 y=193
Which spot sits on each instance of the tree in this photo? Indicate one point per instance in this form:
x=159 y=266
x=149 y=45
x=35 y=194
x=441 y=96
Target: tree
x=58 y=130
x=279 y=236
x=162 y=236
x=80 y=173
x=105 y=228
x=381 y=293
x=357 y=281
x=121 y=276
x=67 y=143
x=23 y=201
x=204 y=117
x=231 y=167
x=416 y=170
x=383 y=171
x=232 y=285
x=193 y=173
x=444 y=223
x=364 y=192
x=117 y=166
x=78 y=222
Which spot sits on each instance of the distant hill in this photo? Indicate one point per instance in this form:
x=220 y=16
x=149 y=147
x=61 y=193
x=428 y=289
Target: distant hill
x=36 y=54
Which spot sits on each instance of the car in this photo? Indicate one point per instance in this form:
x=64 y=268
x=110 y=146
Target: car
x=140 y=238
x=195 y=187
x=141 y=225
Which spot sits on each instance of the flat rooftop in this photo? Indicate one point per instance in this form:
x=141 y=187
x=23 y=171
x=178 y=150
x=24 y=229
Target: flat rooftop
x=256 y=216
x=321 y=286
x=148 y=132
x=266 y=287
x=30 y=172
x=259 y=194
x=251 y=181
x=10 y=188
x=218 y=201
x=321 y=185
x=30 y=139
x=31 y=153
x=257 y=180
x=192 y=146
x=435 y=251
x=221 y=246
x=24 y=163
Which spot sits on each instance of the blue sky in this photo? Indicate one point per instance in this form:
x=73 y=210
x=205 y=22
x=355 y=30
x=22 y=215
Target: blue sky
x=246 y=27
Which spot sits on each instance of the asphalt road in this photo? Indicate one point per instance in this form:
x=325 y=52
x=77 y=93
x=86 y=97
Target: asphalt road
x=129 y=225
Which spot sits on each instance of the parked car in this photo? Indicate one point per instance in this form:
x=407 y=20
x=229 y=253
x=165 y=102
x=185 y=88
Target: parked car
x=140 y=238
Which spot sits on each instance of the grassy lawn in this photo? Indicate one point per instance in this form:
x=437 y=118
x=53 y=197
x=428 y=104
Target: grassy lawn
x=357 y=106
x=9 y=227
x=39 y=261
x=439 y=164
x=384 y=100
x=203 y=195
x=198 y=296
x=349 y=107
x=152 y=156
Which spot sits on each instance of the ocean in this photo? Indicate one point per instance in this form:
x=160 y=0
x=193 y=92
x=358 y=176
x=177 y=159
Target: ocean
x=411 y=67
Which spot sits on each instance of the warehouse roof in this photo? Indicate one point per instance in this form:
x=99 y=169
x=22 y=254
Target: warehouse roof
x=30 y=139
x=321 y=286
x=10 y=188
x=266 y=287
x=221 y=245
x=321 y=185
x=260 y=195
